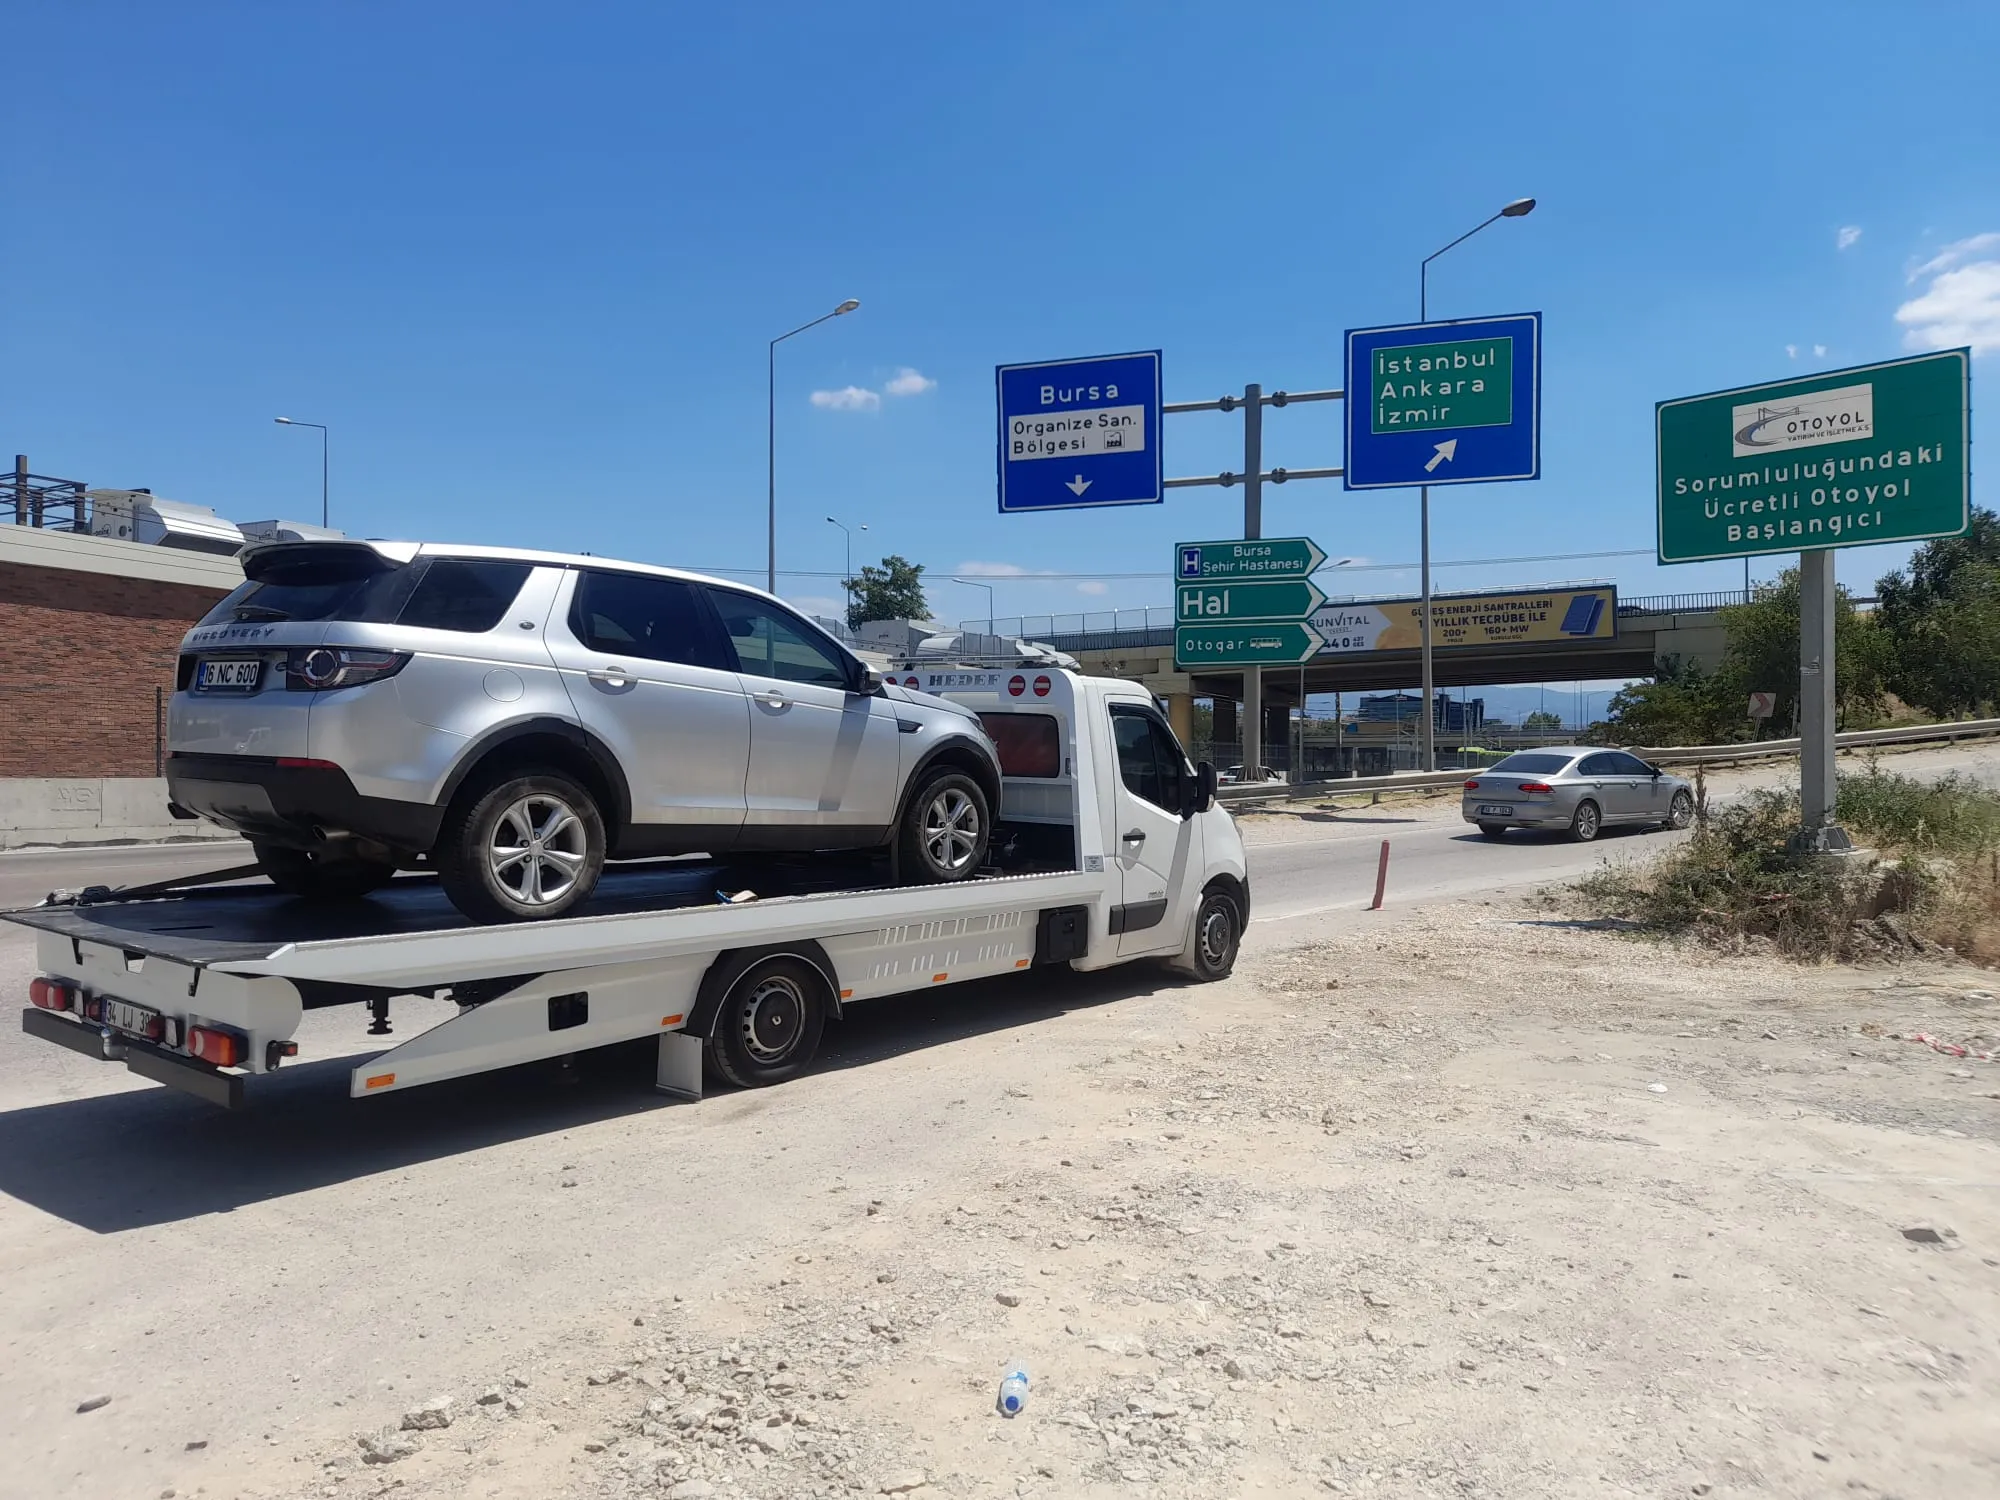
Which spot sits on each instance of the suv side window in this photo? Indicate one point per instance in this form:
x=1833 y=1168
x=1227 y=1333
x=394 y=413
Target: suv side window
x=1149 y=760
x=769 y=642
x=634 y=614
x=464 y=593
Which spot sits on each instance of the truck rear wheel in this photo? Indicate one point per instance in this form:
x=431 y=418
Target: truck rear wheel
x=769 y=1024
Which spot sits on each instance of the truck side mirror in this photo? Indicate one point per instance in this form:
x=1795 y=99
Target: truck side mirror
x=1204 y=789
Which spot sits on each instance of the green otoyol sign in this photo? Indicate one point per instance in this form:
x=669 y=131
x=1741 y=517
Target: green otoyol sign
x=1848 y=458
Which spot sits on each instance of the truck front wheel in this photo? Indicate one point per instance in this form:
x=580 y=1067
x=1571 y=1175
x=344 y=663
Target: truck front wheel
x=1218 y=932
x=768 y=1026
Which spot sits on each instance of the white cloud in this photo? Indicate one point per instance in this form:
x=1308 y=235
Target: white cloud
x=1791 y=352
x=847 y=398
x=992 y=570
x=1093 y=588
x=1819 y=351
x=909 y=382
x=1961 y=303
x=1849 y=233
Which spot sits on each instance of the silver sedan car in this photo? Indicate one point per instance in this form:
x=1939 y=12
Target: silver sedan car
x=1576 y=788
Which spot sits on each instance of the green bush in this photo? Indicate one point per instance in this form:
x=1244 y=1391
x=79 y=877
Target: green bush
x=1953 y=815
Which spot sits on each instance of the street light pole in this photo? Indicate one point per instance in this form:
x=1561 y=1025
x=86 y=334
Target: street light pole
x=978 y=583
x=771 y=441
x=1519 y=208
x=847 y=574
x=288 y=422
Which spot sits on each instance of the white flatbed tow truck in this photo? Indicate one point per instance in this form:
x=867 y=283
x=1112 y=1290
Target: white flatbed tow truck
x=1111 y=848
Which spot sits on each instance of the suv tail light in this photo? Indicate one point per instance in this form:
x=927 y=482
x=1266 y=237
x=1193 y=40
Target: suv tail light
x=317 y=668
x=1535 y=786
x=222 y=1048
x=53 y=994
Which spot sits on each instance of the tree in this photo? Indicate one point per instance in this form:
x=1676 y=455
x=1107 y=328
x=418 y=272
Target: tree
x=1762 y=655
x=1682 y=705
x=893 y=591
x=1941 y=622
x=1541 y=718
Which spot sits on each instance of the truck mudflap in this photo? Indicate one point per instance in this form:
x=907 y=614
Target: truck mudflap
x=149 y=1062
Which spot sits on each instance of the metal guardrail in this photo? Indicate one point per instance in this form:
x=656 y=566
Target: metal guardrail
x=1668 y=755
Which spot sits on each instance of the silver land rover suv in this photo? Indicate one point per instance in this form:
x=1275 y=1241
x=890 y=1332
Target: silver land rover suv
x=514 y=719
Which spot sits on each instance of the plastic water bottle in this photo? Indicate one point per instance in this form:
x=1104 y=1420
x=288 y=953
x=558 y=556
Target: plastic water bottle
x=1013 y=1392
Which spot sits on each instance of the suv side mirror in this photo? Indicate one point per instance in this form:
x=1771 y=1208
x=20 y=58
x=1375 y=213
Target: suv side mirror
x=870 y=681
x=1203 y=797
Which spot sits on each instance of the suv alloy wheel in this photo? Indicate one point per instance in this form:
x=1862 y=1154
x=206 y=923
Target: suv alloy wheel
x=528 y=848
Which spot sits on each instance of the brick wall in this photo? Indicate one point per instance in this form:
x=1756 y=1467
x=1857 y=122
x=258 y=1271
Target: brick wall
x=80 y=657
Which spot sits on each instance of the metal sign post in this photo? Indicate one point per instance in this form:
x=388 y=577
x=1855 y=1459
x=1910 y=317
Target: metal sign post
x=1817 y=791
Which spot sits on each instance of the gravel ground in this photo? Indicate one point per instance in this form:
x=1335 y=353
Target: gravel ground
x=1475 y=1202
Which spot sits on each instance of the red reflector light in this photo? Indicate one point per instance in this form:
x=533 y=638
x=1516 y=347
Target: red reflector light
x=1535 y=786
x=1016 y=686
x=305 y=763
x=1472 y=786
x=222 y=1048
x=51 y=994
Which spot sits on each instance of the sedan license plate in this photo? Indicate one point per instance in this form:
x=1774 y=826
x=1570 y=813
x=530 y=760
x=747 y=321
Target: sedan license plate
x=136 y=1019
x=1488 y=810
x=234 y=675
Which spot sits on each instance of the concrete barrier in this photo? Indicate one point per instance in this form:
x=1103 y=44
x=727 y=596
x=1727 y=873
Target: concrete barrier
x=91 y=810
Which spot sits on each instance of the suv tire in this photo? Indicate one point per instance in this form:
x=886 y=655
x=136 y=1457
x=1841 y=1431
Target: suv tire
x=525 y=849
x=945 y=830
x=319 y=876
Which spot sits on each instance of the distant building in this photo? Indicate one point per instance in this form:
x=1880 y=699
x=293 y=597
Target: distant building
x=1449 y=716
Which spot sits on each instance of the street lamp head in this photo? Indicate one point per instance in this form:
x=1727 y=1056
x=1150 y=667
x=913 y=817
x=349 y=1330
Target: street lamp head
x=831 y=522
x=1518 y=209
x=854 y=302
x=286 y=420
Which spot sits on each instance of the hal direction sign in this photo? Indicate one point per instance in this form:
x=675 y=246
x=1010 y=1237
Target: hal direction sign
x=1080 y=432
x=1281 y=643
x=1444 y=403
x=1227 y=562
x=1292 y=599
x=1845 y=458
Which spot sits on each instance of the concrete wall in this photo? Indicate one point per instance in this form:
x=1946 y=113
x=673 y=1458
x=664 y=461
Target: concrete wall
x=90 y=810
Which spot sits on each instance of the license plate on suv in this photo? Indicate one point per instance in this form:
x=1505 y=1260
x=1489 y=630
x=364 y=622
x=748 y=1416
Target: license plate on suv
x=229 y=674
x=1489 y=810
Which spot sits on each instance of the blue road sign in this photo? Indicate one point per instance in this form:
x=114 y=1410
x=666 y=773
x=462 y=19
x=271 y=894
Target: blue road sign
x=1444 y=403
x=1081 y=432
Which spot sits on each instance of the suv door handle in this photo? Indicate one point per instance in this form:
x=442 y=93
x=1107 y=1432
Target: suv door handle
x=615 y=676
x=1136 y=836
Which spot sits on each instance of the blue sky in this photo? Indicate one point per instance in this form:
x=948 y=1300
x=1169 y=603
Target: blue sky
x=524 y=260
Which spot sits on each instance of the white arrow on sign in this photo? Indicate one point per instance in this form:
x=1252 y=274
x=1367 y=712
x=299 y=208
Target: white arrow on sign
x=1077 y=485
x=1446 y=449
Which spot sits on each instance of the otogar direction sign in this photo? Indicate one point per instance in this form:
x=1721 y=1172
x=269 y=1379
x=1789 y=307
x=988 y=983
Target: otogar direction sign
x=1846 y=458
x=1080 y=432
x=1225 y=562
x=1283 y=643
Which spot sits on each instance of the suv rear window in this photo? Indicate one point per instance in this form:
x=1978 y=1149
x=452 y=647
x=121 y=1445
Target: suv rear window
x=1029 y=744
x=437 y=593
x=1532 y=763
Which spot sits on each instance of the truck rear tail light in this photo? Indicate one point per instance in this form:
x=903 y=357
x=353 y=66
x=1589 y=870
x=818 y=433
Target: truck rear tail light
x=1535 y=786
x=318 y=668
x=91 y=1008
x=224 y=1049
x=53 y=994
